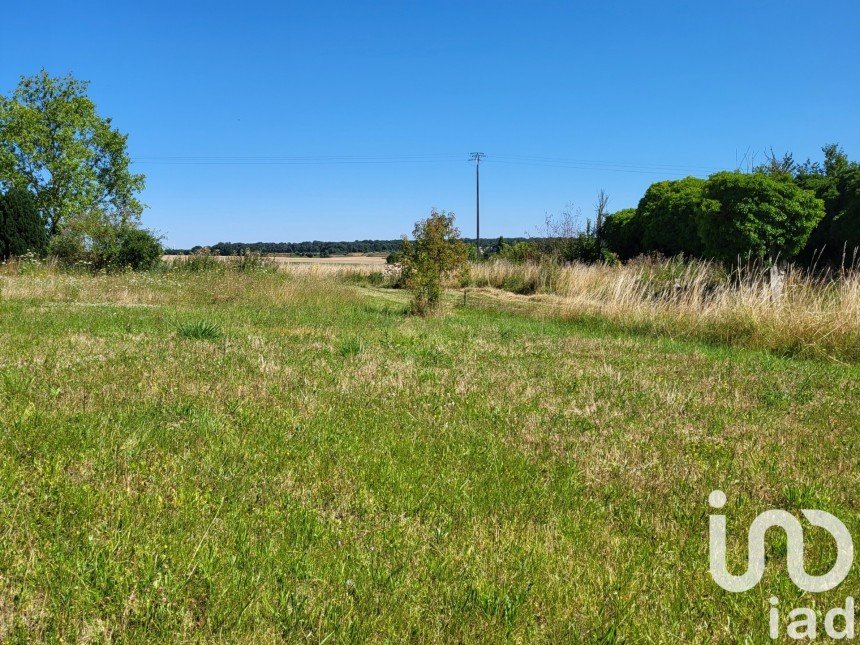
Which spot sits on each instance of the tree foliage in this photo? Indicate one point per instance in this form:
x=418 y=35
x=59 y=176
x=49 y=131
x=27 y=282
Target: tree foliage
x=436 y=254
x=138 y=249
x=753 y=215
x=837 y=183
x=519 y=252
x=669 y=213
x=21 y=228
x=622 y=233
x=53 y=143
x=102 y=245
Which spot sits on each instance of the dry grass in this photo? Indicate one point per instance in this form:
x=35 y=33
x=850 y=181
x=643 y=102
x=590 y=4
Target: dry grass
x=810 y=315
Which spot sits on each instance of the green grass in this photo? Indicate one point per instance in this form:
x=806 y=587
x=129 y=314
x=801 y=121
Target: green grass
x=333 y=470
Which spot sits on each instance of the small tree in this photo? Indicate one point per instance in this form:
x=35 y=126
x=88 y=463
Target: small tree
x=21 y=227
x=436 y=254
x=600 y=211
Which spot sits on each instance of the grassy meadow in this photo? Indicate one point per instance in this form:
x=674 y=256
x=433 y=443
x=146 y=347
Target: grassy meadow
x=267 y=456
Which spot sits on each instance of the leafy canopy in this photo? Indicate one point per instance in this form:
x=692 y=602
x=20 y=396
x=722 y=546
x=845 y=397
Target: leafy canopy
x=668 y=213
x=622 y=233
x=755 y=216
x=53 y=143
x=837 y=183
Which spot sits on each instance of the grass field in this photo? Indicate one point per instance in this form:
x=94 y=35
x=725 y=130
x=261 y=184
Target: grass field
x=280 y=457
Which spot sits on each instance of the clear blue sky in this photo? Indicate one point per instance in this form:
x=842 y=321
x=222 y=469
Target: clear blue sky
x=616 y=94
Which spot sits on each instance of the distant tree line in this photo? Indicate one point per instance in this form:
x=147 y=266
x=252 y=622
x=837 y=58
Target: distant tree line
x=319 y=248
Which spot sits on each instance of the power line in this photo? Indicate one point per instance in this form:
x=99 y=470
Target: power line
x=597 y=162
x=514 y=160
x=571 y=166
x=292 y=160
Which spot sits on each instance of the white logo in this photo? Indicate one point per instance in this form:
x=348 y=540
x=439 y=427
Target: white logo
x=804 y=623
x=794 y=534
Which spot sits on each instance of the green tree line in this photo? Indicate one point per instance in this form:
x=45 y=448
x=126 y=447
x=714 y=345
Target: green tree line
x=317 y=248
x=809 y=213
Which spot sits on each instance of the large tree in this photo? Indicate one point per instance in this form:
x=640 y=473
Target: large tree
x=753 y=215
x=53 y=143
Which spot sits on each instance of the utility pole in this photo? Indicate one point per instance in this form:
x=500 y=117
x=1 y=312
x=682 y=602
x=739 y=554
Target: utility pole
x=476 y=157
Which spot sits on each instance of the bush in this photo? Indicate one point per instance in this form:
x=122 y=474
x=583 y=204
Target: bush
x=200 y=262
x=104 y=246
x=845 y=230
x=519 y=252
x=69 y=249
x=622 y=233
x=138 y=249
x=436 y=254
x=668 y=213
x=22 y=229
x=587 y=249
x=755 y=216
x=252 y=261
x=563 y=239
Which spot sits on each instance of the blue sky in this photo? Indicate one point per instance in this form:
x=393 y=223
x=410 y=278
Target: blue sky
x=289 y=121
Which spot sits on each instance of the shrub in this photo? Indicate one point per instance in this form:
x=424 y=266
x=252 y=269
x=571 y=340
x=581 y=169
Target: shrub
x=105 y=246
x=755 y=216
x=252 y=261
x=563 y=239
x=519 y=252
x=22 y=229
x=668 y=213
x=622 y=233
x=845 y=230
x=586 y=248
x=436 y=254
x=200 y=262
x=68 y=248
x=139 y=249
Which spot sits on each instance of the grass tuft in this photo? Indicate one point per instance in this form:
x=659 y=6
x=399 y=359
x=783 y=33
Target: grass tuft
x=199 y=330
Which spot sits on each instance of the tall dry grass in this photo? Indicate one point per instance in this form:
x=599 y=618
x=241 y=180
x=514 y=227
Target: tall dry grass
x=799 y=312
